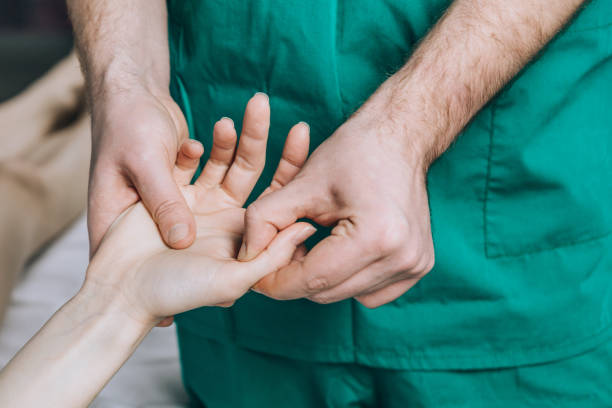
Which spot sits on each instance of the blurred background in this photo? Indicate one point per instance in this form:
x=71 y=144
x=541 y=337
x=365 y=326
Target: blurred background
x=34 y=34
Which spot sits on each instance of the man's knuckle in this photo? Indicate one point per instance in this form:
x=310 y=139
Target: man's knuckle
x=418 y=263
x=166 y=208
x=409 y=260
x=317 y=284
x=388 y=237
x=430 y=262
x=140 y=159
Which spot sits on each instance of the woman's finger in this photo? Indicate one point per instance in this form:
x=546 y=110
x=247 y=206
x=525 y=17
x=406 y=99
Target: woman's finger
x=331 y=262
x=294 y=156
x=221 y=154
x=278 y=254
x=251 y=155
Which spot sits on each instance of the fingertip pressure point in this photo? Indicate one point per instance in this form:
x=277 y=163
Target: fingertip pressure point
x=177 y=233
x=306 y=233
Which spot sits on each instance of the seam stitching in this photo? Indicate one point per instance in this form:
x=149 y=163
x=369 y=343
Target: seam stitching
x=604 y=331
x=539 y=250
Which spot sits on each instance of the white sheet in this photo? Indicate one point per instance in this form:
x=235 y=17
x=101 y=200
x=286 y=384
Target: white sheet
x=151 y=378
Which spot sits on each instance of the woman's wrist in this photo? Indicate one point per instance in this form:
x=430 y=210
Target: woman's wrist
x=83 y=344
x=113 y=311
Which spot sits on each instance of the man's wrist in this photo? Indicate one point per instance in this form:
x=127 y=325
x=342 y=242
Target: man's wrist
x=398 y=112
x=121 y=76
x=121 y=44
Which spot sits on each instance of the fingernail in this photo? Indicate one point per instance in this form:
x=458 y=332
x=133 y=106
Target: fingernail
x=242 y=252
x=177 y=233
x=264 y=94
x=305 y=233
x=225 y=117
x=305 y=124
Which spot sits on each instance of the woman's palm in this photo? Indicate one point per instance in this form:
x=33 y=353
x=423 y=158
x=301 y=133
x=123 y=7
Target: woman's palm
x=207 y=273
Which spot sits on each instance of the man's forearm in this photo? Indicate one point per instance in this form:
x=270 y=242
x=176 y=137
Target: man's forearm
x=121 y=43
x=475 y=48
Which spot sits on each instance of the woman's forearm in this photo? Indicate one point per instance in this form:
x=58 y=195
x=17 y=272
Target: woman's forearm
x=83 y=345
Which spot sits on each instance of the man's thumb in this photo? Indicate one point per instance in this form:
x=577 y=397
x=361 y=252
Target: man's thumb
x=270 y=214
x=167 y=207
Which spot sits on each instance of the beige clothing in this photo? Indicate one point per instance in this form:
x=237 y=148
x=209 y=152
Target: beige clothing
x=44 y=161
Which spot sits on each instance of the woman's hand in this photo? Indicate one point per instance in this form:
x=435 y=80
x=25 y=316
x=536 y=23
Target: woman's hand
x=134 y=281
x=135 y=267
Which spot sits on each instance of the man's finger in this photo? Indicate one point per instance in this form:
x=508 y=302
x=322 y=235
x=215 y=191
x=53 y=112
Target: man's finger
x=278 y=254
x=251 y=154
x=187 y=161
x=221 y=154
x=109 y=196
x=386 y=294
x=331 y=262
x=162 y=197
x=274 y=212
x=370 y=279
x=300 y=253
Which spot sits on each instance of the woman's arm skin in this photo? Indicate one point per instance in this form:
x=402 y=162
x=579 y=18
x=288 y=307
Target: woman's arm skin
x=136 y=126
x=75 y=353
x=135 y=281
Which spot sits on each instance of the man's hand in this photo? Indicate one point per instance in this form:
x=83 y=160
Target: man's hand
x=137 y=127
x=373 y=186
x=136 y=137
x=368 y=178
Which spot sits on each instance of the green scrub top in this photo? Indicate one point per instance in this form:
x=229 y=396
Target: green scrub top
x=521 y=204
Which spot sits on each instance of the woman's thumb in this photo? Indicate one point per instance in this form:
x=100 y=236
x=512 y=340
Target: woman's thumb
x=280 y=251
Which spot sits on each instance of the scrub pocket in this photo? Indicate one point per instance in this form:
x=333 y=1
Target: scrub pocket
x=549 y=178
